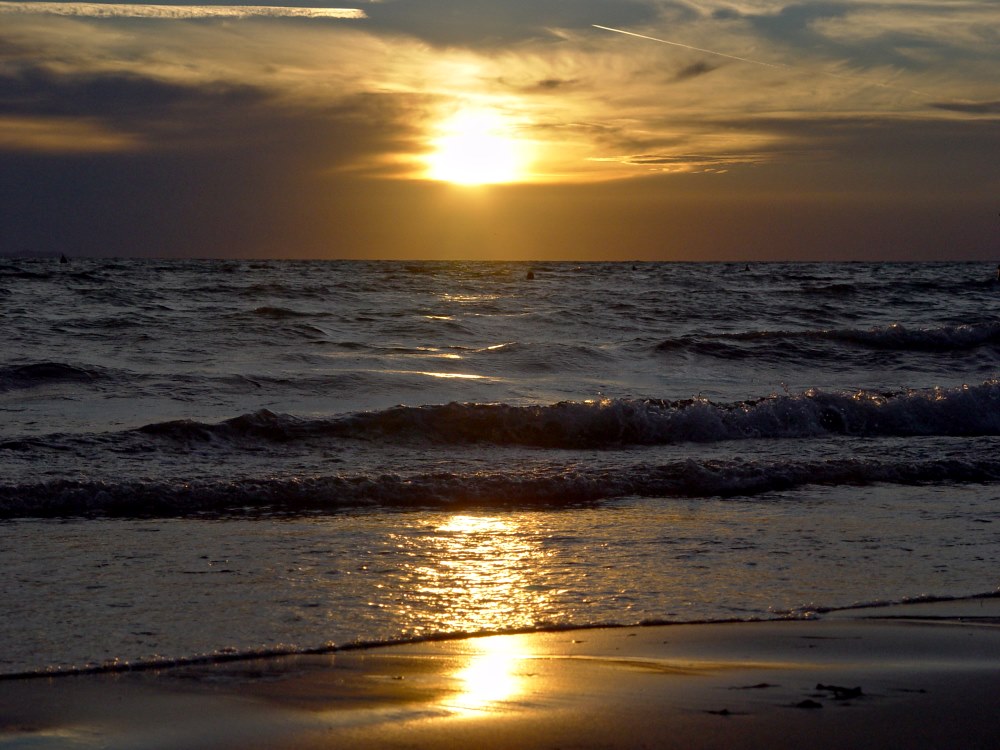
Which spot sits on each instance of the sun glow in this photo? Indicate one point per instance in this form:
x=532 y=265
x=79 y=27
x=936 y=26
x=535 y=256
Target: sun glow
x=477 y=147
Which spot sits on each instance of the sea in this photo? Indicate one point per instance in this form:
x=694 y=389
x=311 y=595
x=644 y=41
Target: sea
x=207 y=459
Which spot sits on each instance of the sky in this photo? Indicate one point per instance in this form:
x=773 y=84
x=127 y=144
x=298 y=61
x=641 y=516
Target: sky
x=744 y=130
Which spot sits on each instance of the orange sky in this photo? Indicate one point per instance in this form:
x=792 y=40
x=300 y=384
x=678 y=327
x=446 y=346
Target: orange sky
x=731 y=129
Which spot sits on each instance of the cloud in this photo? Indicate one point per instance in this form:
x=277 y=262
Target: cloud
x=894 y=157
x=212 y=173
x=46 y=135
x=961 y=26
x=976 y=108
x=551 y=85
x=122 y=96
x=173 y=12
x=301 y=137
x=494 y=24
x=694 y=70
x=103 y=112
x=217 y=130
x=915 y=33
x=683 y=162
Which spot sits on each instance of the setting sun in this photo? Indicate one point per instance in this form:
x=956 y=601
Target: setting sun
x=476 y=147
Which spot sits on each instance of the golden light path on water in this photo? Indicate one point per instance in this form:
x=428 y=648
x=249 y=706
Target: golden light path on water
x=474 y=573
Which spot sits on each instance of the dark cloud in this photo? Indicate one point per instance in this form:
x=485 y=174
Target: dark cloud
x=212 y=115
x=847 y=193
x=550 y=84
x=231 y=168
x=223 y=170
x=726 y=14
x=542 y=86
x=491 y=23
x=35 y=90
x=794 y=20
x=918 y=158
x=913 y=157
x=976 y=108
x=694 y=70
x=11 y=49
x=799 y=25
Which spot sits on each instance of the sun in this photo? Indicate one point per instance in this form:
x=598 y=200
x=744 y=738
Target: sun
x=477 y=147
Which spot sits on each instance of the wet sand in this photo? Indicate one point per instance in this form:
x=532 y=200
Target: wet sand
x=916 y=676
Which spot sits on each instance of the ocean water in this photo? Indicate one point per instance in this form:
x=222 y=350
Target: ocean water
x=215 y=457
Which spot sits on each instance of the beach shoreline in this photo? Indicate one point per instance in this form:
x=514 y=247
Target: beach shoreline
x=916 y=676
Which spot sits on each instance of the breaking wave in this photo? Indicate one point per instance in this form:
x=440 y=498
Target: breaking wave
x=894 y=337
x=963 y=411
x=567 y=487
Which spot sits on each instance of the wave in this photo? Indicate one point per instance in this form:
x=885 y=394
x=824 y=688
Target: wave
x=13 y=272
x=835 y=289
x=14 y=377
x=961 y=412
x=895 y=337
x=282 y=313
x=551 y=488
x=811 y=610
x=39 y=374
x=947 y=338
x=544 y=358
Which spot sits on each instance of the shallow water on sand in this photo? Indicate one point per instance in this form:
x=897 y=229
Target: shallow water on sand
x=364 y=575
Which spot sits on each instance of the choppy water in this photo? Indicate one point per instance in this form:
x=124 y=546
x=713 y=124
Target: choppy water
x=208 y=456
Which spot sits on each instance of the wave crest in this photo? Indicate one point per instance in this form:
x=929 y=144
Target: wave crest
x=895 y=337
x=609 y=423
x=566 y=487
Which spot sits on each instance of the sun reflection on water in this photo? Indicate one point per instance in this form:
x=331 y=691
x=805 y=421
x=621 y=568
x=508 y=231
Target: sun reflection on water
x=469 y=298
x=473 y=573
x=437 y=374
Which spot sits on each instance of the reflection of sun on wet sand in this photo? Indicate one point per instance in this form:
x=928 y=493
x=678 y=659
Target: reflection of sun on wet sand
x=922 y=676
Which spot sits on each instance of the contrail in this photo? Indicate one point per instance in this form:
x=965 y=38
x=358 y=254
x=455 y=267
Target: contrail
x=688 y=46
x=779 y=66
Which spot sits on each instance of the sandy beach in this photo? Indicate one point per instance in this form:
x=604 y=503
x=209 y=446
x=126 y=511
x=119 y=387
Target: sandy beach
x=915 y=676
